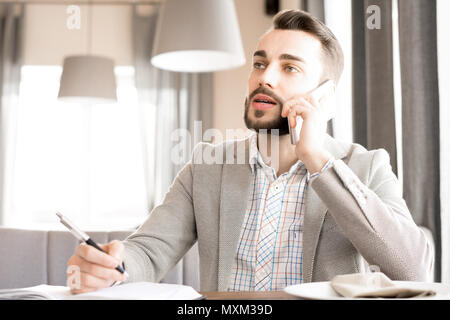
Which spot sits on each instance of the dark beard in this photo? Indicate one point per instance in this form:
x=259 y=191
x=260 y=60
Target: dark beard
x=280 y=124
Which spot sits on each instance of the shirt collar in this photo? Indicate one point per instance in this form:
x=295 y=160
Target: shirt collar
x=256 y=160
x=254 y=155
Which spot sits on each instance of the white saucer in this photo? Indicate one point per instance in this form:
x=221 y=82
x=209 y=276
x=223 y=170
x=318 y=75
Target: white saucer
x=324 y=291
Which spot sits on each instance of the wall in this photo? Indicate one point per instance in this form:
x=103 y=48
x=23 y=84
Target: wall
x=47 y=39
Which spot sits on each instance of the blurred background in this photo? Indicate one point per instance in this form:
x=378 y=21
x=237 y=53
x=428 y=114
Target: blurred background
x=87 y=120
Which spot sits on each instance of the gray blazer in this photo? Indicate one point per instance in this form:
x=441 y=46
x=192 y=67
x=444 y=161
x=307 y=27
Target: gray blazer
x=355 y=217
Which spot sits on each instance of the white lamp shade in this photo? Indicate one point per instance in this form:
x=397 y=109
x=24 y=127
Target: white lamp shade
x=88 y=79
x=198 y=36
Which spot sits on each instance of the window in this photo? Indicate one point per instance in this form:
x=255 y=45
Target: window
x=82 y=160
x=338 y=16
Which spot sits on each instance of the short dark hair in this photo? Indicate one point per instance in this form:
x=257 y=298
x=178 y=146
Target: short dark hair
x=333 y=57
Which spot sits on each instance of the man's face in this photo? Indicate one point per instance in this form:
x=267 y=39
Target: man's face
x=286 y=63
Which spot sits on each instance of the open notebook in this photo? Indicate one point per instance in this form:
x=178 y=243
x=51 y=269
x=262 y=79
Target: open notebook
x=126 y=291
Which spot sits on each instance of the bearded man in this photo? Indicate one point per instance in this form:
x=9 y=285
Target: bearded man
x=326 y=208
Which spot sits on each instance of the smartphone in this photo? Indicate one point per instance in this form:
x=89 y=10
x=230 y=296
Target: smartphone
x=318 y=93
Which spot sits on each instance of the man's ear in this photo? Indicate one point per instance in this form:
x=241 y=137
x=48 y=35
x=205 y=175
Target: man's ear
x=325 y=94
x=331 y=102
x=334 y=86
x=325 y=89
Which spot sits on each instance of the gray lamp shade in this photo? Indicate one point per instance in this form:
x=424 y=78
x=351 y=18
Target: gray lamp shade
x=88 y=79
x=198 y=36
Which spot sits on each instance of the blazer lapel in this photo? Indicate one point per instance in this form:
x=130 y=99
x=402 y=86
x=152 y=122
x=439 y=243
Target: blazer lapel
x=236 y=181
x=315 y=211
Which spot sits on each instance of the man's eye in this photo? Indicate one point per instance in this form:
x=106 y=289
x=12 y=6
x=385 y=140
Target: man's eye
x=291 y=69
x=258 y=65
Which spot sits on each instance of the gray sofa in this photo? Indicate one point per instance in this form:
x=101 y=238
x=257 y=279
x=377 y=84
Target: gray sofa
x=33 y=257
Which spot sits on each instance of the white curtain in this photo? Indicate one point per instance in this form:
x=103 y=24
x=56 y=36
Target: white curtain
x=11 y=22
x=168 y=101
x=443 y=24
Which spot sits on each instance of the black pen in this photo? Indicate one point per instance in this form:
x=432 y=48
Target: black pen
x=82 y=236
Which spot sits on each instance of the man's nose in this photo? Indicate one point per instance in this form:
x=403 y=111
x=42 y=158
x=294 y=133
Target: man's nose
x=269 y=77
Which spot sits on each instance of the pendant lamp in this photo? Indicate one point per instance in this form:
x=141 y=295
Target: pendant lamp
x=88 y=78
x=198 y=36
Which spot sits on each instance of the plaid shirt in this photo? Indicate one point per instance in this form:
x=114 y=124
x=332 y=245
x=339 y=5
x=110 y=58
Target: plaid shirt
x=269 y=254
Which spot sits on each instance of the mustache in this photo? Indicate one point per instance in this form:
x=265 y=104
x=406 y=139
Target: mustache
x=267 y=92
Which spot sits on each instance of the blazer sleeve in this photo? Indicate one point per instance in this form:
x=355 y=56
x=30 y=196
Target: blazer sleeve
x=376 y=219
x=166 y=235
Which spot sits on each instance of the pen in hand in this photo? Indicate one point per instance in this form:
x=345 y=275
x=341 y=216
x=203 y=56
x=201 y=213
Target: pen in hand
x=82 y=236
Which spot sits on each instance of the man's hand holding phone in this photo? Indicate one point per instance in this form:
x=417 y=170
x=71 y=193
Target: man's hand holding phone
x=314 y=115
